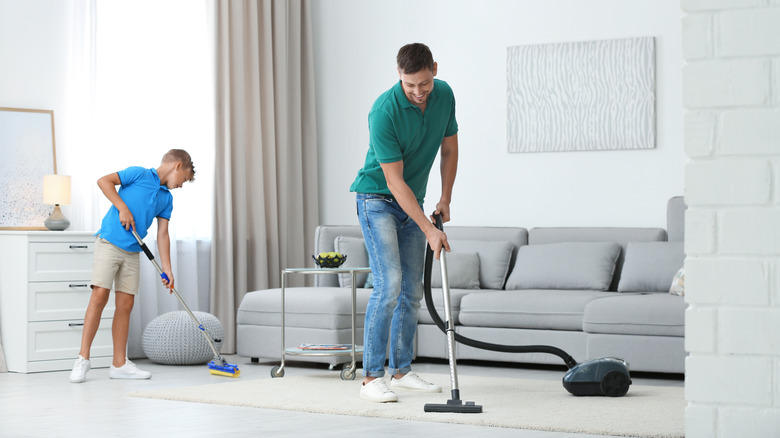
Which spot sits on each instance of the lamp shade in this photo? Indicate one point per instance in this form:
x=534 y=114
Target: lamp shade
x=56 y=189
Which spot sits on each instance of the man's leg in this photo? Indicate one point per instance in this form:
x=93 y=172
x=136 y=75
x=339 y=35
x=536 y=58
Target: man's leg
x=378 y=220
x=411 y=241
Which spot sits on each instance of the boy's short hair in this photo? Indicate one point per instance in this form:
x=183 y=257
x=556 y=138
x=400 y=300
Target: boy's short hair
x=183 y=157
x=414 y=57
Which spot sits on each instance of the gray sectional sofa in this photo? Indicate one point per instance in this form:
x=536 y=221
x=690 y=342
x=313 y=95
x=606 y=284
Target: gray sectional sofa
x=591 y=291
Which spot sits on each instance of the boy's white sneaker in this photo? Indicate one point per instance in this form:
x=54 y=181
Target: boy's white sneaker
x=377 y=391
x=80 y=368
x=412 y=382
x=128 y=371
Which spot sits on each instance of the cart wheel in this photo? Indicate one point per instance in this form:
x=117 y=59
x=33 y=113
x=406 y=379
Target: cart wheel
x=347 y=374
x=277 y=371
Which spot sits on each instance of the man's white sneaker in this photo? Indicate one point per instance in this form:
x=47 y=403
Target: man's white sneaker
x=80 y=368
x=412 y=382
x=377 y=391
x=128 y=371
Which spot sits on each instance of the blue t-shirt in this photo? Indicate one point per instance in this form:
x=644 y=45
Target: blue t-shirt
x=141 y=190
x=400 y=131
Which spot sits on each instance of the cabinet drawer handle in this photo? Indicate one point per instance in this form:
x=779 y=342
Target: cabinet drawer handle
x=75 y=324
x=78 y=246
x=78 y=285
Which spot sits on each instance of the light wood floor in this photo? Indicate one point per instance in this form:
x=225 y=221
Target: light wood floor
x=47 y=405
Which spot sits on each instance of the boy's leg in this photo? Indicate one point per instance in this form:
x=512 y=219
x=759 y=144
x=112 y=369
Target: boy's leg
x=97 y=302
x=121 y=326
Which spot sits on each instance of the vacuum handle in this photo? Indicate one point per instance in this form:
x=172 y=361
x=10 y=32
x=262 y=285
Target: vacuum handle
x=437 y=220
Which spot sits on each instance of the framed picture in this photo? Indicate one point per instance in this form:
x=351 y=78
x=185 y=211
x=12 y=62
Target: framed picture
x=581 y=96
x=28 y=153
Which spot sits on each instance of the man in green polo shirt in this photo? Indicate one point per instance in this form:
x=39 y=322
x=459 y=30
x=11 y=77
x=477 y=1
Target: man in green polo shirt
x=407 y=126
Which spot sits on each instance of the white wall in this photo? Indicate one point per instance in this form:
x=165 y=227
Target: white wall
x=35 y=41
x=355 y=44
x=731 y=86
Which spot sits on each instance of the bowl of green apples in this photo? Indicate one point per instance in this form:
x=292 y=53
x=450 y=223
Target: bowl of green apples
x=329 y=259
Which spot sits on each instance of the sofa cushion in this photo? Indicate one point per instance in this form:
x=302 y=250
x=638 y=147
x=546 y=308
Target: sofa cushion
x=494 y=259
x=308 y=307
x=650 y=266
x=619 y=235
x=569 y=265
x=462 y=271
x=527 y=309
x=636 y=314
x=357 y=257
x=456 y=295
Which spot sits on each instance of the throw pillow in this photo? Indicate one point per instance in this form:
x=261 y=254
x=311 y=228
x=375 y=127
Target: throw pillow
x=462 y=271
x=494 y=260
x=649 y=266
x=678 y=283
x=568 y=265
x=357 y=257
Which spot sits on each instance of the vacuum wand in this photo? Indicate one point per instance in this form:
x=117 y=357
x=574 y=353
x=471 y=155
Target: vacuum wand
x=454 y=404
x=217 y=366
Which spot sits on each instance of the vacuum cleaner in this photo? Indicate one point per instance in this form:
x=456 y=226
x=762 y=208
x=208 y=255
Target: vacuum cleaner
x=607 y=376
x=218 y=366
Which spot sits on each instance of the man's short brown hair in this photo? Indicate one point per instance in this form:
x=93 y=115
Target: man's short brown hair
x=414 y=57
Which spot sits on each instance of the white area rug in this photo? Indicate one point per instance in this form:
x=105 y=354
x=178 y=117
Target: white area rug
x=646 y=411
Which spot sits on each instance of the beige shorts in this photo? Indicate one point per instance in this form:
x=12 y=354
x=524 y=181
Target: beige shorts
x=115 y=268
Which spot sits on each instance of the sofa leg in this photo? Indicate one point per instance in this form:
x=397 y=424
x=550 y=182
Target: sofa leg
x=254 y=359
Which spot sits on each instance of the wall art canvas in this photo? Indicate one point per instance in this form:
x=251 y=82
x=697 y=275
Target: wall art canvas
x=27 y=150
x=581 y=96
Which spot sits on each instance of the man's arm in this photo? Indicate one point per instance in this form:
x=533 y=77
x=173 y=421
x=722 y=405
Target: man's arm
x=394 y=175
x=108 y=185
x=449 y=168
x=164 y=249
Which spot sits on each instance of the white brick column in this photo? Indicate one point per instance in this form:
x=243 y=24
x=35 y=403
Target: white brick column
x=731 y=92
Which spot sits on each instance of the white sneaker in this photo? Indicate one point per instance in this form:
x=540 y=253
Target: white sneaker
x=377 y=391
x=80 y=368
x=412 y=382
x=128 y=371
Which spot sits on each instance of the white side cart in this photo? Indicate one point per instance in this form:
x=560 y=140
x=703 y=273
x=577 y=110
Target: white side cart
x=349 y=372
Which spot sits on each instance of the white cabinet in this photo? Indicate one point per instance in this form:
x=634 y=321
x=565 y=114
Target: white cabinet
x=44 y=292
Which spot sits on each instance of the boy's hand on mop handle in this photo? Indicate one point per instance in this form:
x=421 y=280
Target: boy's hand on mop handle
x=167 y=282
x=126 y=219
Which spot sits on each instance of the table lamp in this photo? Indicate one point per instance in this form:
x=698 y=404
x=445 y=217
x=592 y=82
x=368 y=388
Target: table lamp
x=56 y=191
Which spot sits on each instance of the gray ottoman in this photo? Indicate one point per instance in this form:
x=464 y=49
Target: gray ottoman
x=173 y=338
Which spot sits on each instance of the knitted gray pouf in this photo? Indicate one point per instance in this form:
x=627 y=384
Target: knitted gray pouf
x=173 y=338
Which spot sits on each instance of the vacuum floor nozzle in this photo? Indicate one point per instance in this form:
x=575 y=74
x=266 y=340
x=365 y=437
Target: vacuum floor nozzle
x=456 y=406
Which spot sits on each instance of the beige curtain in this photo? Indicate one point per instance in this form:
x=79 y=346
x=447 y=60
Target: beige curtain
x=266 y=205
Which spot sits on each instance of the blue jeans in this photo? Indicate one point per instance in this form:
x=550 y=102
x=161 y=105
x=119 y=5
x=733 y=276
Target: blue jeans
x=396 y=252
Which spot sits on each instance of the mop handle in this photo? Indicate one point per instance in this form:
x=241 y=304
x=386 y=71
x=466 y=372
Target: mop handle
x=150 y=256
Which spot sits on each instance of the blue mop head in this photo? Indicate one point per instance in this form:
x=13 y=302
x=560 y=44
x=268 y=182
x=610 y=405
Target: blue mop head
x=224 y=369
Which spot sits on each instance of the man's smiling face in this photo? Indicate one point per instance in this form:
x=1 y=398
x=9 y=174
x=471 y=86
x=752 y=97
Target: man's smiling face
x=418 y=86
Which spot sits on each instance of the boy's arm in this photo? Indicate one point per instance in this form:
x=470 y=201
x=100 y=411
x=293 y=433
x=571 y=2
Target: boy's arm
x=108 y=185
x=164 y=249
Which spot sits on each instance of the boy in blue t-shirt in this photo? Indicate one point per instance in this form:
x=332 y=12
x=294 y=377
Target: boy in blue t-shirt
x=144 y=194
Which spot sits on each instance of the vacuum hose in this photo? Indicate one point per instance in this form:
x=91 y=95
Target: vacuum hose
x=570 y=362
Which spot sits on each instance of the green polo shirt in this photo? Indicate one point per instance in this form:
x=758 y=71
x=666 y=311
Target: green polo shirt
x=400 y=131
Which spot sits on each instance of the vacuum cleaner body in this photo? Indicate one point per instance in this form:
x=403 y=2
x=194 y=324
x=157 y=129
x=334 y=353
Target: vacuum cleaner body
x=606 y=376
